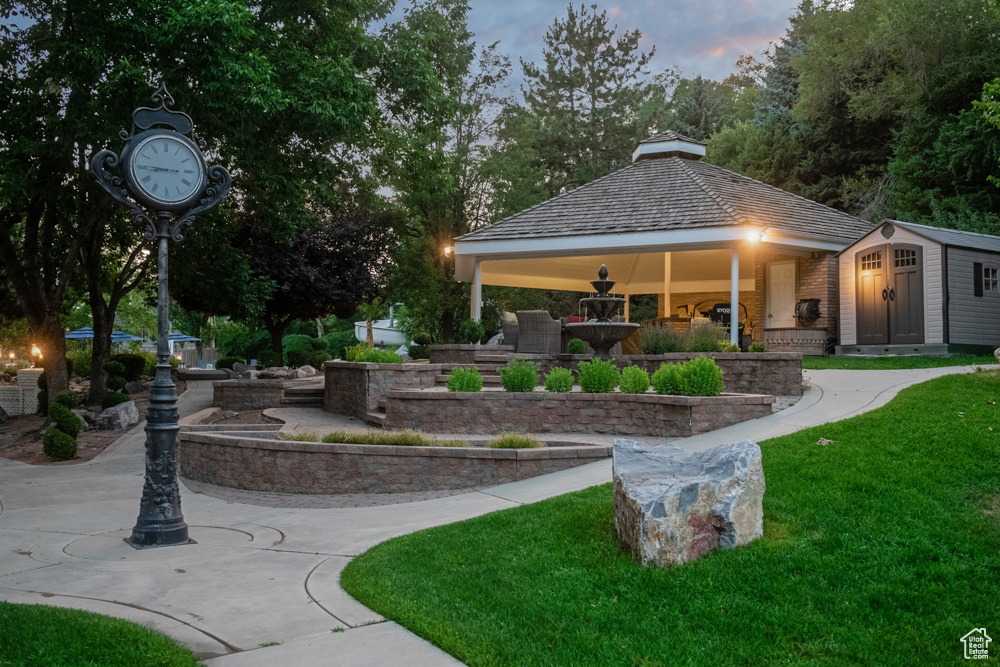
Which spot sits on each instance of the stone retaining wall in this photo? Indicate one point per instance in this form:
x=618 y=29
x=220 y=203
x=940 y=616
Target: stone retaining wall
x=248 y=394
x=22 y=398
x=773 y=373
x=259 y=464
x=354 y=388
x=463 y=354
x=544 y=412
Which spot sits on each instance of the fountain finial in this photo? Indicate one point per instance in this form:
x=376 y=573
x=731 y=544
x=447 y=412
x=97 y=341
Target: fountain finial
x=602 y=273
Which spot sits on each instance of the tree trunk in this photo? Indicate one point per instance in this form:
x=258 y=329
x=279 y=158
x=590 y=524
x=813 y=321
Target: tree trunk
x=370 y=336
x=104 y=319
x=277 y=331
x=50 y=337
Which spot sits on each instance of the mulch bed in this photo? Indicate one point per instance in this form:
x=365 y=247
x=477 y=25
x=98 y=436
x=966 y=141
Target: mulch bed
x=21 y=437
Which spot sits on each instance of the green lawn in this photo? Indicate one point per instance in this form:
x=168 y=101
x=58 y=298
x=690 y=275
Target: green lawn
x=894 y=363
x=882 y=548
x=32 y=634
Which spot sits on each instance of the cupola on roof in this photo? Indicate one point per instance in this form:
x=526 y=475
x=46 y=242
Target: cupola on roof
x=669 y=144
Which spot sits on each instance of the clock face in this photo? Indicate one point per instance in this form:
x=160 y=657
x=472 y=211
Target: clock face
x=167 y=169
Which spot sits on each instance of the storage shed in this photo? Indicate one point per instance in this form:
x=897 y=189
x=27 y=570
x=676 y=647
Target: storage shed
x=915 y=289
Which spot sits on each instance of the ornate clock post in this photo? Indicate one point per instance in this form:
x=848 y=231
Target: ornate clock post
x=165 y=183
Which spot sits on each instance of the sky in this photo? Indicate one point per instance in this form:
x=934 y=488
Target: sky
x=697 y=36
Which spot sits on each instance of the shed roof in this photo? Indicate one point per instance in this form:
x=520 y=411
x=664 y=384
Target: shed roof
x=673 y=194
x=953 y=237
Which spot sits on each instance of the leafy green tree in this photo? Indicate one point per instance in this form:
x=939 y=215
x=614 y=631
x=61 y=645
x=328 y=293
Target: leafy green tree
x=701 y=107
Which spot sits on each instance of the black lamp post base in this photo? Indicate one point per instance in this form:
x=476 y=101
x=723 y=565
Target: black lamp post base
x=151 y=539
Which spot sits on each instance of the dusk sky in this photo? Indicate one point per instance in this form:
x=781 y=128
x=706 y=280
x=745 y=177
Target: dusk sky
x=698 y=36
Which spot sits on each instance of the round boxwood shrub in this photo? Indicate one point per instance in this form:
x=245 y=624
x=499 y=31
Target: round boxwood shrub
x=701 y=377
x=65 y=420
x=470 y=331
x=133 y=366
x=298 y=358
x=337 y=341
x=559 y=380
x=113 y=398
x=116 y=382
x=69 y=399
x=757 y=346
x=464 y=379
x=667 y=380
x=519 y=375
x=634 y=380
x=598 y=376
x=732 y=348
x=576 y=346
x=59 y=445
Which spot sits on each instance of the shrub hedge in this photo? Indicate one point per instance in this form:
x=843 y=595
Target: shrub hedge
x=59 y=445
x=464 y=379
x=519 y=375
x=598 y=376
x=559 y=380
x=133 y=366
x=634 y=380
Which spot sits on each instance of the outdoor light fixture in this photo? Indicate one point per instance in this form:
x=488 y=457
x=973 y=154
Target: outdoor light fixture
x=447 y=251
x=12 y=356
x=35 y=352
x=756 y=234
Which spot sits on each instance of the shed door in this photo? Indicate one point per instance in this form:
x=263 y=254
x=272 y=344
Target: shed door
x=906 y=295
x=872 y=297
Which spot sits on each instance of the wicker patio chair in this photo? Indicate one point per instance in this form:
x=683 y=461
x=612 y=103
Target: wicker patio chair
x=510 y=332
x=538 y=332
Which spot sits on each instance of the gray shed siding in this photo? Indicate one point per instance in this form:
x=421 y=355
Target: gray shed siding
x=972 y=320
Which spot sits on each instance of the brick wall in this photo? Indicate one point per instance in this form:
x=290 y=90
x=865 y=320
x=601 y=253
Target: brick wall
x=259 y=464
x=815 y=278
x=248 y=394
x=543 y=412
x=355 y=388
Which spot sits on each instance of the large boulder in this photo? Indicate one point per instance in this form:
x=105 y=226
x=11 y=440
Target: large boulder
x=671 y=507
x=3 y=415
x=306 y=371
x=88 y=418
x=118 y=417
x=134 y=387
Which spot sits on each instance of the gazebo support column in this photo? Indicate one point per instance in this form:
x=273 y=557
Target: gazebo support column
x=734 y=298
x=667 y=310
x=476 y=305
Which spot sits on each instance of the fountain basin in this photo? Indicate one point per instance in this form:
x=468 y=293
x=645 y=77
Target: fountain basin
x=602 y=336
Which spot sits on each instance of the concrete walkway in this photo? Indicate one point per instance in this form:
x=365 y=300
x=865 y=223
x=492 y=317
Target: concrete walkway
x=262 y=575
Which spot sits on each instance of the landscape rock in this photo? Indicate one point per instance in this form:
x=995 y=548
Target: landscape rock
x=306 y=371
x=671 y=507
x=3 y=416
x=118 y=417
x=996 y=353
x=6 y=379
x=134 y=387
x=88 y=418
x=239 y=368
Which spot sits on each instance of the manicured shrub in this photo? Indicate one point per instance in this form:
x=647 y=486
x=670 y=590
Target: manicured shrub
x=634 y=380
x=705 y=338
x=116 y=382
x=81 y=362
x=407 y=438
x=228 y=362
x=667 y=379
x=559 y=380
x=732 y=348
x=418 y=352
x=318 y=358
x=598 y=376
x=356 y=352
x=113 y=398
x=423 y=339
x=576 y=346
x=514 y=441
x=59 y=445
x=68 y=399
x=519 y=375
x=133 y=366
x=464 y=379
x=660 y=340
x=115 y=368
x=65 y=420
x=470 y=331
x=701 y=377
x=362 y=352
x=296 y=342
x=298 y=358
x=757 y=346
x=337 y=341
x=267 y=359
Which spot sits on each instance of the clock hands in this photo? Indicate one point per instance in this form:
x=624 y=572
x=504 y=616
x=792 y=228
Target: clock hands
x=143 y=166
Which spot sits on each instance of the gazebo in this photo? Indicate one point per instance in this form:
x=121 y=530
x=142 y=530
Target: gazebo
x=691 y=232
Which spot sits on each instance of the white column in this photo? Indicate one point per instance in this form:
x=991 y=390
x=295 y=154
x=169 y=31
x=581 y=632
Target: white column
x=734 y=298
x=667 y=310
x=476 y=305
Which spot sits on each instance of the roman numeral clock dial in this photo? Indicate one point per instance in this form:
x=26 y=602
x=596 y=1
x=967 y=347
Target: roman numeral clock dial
x=167 y=169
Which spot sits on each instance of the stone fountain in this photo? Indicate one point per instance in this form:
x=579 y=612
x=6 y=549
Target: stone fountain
x=601 y=333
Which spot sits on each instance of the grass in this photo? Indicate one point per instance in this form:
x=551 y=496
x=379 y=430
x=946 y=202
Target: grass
x=406 y=438
x=881 y=548
x=514 y=441
x=894 y=363
x=55 y=637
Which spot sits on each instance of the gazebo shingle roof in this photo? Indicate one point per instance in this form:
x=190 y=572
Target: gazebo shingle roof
x=669 y=194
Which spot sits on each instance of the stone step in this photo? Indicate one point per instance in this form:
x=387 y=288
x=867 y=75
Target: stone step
x=302 y=400
x=491 y=358
x=375 y=418
x=304 y=391
x=381 y=404
x=483 y=367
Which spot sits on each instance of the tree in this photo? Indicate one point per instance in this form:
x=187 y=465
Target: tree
x=330 y=268
x=701 y=107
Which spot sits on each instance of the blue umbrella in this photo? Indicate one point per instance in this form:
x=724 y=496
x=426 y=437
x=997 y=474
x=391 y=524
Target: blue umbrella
x=86 y=333
x=182 y=338
x=122 y=337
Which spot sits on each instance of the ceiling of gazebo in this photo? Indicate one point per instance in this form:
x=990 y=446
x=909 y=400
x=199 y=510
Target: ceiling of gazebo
x=641 y=273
